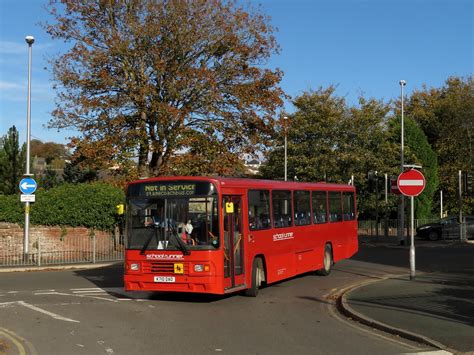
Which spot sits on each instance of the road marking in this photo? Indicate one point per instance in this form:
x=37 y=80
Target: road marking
x=51 y=314
x=5 y=304
x=370 y=332
x=13 y=339
x=43 y=291
x=86 y=289
x=12 y=292
x=107 y=349
x=435 y=352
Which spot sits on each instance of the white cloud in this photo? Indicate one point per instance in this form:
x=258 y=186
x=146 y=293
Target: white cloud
x=5 y=85
x=17 y=91
x=8 y=47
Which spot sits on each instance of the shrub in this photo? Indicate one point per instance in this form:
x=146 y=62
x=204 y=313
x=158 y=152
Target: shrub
x=86 y=205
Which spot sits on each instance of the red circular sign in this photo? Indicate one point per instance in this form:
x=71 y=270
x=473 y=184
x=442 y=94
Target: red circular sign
x=411 y=182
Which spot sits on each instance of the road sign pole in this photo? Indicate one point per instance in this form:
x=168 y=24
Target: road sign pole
x=411 y=183
x=412 y=239
x=29 y=40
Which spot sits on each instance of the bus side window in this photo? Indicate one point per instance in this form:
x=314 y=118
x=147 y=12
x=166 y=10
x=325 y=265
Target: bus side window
x=335 y=207
x=348 y=206
x=282 y=211
x=301 y=203
x=319 y=207
x=259 y=209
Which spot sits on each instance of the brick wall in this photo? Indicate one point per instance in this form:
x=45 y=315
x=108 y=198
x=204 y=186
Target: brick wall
x=56 y=244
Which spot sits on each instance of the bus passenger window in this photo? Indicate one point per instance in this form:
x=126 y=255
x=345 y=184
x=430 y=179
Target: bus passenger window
x=348 y=206
x=259 y=209
x=282 y=214
x=335 y=207
x=319 y=207
x=301 y=201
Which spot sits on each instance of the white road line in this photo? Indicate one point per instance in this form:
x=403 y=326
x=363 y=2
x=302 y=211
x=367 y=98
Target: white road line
x=44 y=291
x=51 y=314
x=12 y=292
x=86 y=288
x=435 y=352
x=6 y=304
x=88 y=291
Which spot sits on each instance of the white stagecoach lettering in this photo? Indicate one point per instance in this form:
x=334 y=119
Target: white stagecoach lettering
x=164 y=257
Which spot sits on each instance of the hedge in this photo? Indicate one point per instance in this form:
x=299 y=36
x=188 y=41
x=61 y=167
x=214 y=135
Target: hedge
x=87 y=205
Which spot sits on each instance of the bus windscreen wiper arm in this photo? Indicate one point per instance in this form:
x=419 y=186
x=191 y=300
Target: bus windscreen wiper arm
x=181 y=244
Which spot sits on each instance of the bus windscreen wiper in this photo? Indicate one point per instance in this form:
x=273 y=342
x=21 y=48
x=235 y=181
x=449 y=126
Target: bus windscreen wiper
x=148 y=241
x=181 y=244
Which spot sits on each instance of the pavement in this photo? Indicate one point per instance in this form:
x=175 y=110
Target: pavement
x=434 y=308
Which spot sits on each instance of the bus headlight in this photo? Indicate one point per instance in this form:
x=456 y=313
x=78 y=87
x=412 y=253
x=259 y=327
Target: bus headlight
x=201 y=268
x=135 y=267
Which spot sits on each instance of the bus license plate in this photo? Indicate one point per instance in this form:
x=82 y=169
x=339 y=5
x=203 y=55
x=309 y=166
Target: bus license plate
x=165 y=279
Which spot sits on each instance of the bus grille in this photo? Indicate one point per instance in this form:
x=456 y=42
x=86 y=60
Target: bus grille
x=164 y=268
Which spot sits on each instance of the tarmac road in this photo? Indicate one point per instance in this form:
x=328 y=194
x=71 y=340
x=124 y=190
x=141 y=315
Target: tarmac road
x=86 y=312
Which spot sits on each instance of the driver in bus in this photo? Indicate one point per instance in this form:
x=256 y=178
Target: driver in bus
x=185 y=236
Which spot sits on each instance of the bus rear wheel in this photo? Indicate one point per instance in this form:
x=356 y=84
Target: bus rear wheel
x=257 y=270
x=328 y=261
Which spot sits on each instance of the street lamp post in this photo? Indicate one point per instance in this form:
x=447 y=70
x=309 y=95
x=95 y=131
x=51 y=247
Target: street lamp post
x=29 y=40
x=285 y=118
x=401 y=228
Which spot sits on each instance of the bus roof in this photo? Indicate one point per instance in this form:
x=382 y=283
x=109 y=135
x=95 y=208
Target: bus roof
x=251 y=183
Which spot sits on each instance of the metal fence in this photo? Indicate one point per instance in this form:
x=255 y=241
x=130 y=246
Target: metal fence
x=90 y=247
x=387 y=227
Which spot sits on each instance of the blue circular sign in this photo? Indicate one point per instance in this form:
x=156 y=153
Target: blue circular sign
x=28 y=186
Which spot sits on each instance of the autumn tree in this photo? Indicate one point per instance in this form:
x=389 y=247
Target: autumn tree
x=141 y=74
x=49 y=150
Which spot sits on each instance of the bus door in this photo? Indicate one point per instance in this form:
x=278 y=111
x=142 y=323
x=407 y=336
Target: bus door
x=233 y=242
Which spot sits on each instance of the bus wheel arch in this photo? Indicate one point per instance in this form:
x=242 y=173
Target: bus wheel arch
x=328 y=260
x=258 y=276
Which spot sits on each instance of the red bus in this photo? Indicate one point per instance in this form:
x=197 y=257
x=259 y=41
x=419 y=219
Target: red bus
x=222 y=235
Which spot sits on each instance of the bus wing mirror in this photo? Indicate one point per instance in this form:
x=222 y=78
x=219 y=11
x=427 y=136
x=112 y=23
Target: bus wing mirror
x=120 y=209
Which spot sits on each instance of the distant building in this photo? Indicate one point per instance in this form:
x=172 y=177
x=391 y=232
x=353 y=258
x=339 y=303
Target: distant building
x=39 y=165
x=253 y=166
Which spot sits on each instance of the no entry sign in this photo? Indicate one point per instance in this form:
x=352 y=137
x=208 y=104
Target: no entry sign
x=411 y=182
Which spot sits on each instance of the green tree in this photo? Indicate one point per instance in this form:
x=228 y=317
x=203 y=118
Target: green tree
x=313 y=139
x=328 y=140
x=12 y=162
x=49 y=179
x=141 y=73
x=446 y=115
x=419 y=152
x=74 y=172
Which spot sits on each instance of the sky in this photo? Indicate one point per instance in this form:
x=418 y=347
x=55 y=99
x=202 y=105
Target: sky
x=361 y=46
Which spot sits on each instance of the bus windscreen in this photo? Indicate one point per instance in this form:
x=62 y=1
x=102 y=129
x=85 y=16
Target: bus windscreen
x=157 y=223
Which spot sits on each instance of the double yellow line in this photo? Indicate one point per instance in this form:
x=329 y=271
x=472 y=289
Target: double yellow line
x=18 y=341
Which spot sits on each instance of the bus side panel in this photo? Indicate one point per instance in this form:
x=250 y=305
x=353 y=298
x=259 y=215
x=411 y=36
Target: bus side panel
x=277 y=252
x=309 y=248
x=344 y=239
x=352 y=240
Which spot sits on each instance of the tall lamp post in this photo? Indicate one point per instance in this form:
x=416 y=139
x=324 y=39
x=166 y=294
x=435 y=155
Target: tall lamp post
x=29 y=40
x=285 y=118
x=401 y=231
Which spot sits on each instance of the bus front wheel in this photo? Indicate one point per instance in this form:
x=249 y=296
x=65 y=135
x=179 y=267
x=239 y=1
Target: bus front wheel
x=257 y=271
x=328 y=261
